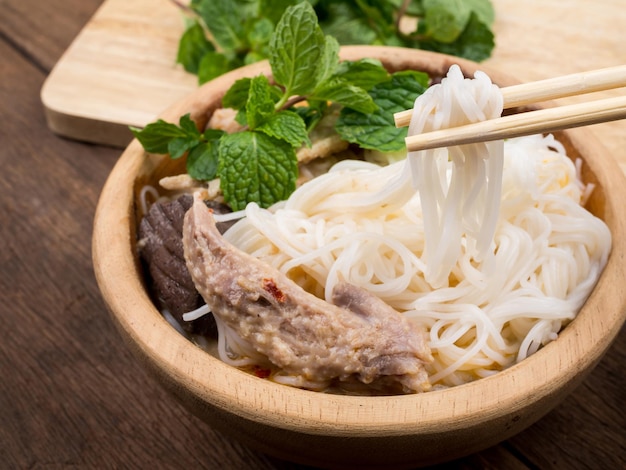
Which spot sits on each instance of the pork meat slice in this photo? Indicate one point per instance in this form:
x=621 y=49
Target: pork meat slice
x=161 y=248
x=363 y=338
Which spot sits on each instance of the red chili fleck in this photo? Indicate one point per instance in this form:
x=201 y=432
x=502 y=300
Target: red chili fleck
x=260 y=372
x=270 y=286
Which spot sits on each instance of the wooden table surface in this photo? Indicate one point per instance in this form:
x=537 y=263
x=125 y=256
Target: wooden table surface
x=71 y=393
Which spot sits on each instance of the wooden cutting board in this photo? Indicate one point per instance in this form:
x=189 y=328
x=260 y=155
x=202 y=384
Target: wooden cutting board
x=121 y=68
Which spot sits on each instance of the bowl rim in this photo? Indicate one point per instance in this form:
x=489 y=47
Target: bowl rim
x=227 y=388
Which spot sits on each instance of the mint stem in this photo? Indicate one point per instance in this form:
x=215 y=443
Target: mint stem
x=292 y=101
x=401 y=12
x=182 y=6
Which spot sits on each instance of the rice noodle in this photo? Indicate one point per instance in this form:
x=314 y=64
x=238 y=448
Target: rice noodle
x=459 y=201
x=147 y=192
x=486 y=245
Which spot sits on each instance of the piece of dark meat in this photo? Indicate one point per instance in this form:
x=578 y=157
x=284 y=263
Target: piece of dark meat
x=161 y=248
x=301 y=334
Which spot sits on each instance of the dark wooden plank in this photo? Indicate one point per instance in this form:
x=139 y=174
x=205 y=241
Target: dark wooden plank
x=588 y=430
x=43 y=30
x=71 y=392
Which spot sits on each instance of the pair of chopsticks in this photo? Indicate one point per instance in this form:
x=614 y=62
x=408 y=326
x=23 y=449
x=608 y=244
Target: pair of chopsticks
x=533 y=122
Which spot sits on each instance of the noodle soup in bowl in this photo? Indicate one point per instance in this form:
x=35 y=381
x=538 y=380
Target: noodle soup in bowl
x=342 y=429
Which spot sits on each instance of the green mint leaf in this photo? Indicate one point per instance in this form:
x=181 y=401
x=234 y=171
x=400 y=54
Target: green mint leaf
x=260 y=105
x=259 y=32
x=345 y=22
x=212 y=65
x=311 y=114
x=246 y=8
x=484 y=11
x=363 y=73
x=295 y=50
x=202 y=160
x=213 y=134
x=193 y=45
x=179 y=146
x=329 y=59
x=380 y=15
x=255 y=167
x=155 y=137
x=189 y=126
x=237 y=95
x=274 y=9
x=475 y=43
x=242 y=29
x=241 y=117
x=224 y=21
x=415 y=8
x=287 y=126
x=377 y=130
x=341 y=91
x=167 y=138
x=253 y=57
x=445 y=20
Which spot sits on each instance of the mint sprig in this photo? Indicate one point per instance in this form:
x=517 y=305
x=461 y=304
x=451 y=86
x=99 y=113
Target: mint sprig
x=194 y=47
x=221 y=18
x=475 y=41
x=377 y=130
x=255 y=167
x=238 y=32
x=185 y=139
x=259 y=163
x=296 y=47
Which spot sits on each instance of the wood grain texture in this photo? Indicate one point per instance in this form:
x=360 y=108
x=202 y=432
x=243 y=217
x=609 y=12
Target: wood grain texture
x=71 y=393
x=539 y=39
x=42 y=31
x=121 y=70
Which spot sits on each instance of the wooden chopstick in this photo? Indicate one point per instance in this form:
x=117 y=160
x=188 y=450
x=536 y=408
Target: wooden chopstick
x=516 y=125
x=551 y=88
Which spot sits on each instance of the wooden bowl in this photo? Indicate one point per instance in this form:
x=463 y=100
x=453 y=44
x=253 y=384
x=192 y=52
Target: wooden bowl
x=332 y=430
